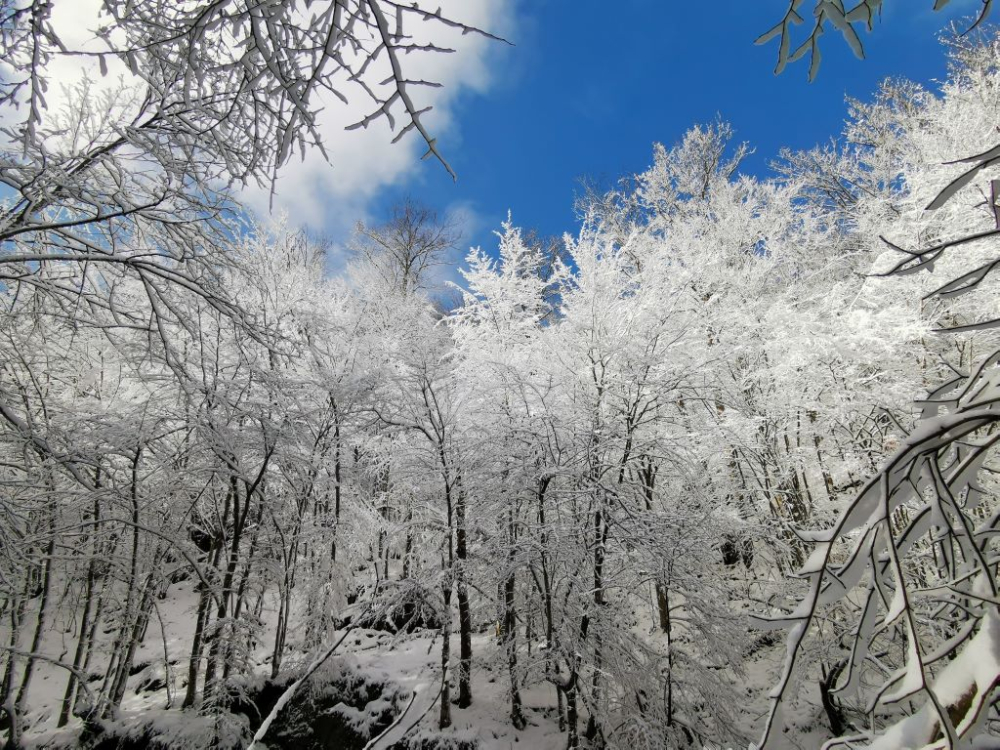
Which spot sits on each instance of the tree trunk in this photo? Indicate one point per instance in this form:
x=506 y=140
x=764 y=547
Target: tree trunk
x=10 y=673
x=69 y=697
x=194 y=663
x=41 y=621
x=572 y=718
x=337 y=480
x=670 y=658
x=201 y=625
x=444 y=718
x=408 y=549
x=510 y=629
x=281 y=631
x=663 y=607
x=546 y=586
x=111 y=675
x=136 y=635
x=14 y=730
x=594 y=731
x=241 y=590
x=218 y=650
x=464 y=609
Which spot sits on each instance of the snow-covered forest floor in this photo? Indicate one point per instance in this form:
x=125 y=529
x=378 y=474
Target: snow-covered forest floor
x=408 y=663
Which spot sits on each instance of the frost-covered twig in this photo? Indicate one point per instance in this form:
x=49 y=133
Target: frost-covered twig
x=926 y=496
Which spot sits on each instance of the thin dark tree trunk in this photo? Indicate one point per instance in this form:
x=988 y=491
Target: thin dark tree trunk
x=337 y=480
x=41 y=621
x=111 y=674
x=218 y=651
x=16 y=620
x=91 y=612
x=69 y=697
x=284 y=607
x=594 y=731
x=647 y=474
x=201 y=625
x=464 y=609
x=138 y=630
x=408 y=548
x=444 y=717
x=510 y=626
x=241 y=589
x=572 y=715
x=194 y=663
x=665 y=621
x=94 y=622
x=14 y=730
x=546 y=590
x=280 y=631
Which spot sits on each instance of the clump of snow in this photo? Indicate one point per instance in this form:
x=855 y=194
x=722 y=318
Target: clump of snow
x=168 y=730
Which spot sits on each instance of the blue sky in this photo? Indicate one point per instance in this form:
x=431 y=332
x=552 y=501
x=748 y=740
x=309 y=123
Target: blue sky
x=584 y=93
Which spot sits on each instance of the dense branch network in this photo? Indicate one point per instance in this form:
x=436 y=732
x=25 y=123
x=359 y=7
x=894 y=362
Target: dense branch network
x=932 y=496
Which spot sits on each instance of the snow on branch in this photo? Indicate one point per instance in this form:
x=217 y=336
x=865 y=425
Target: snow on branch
x=915 y=548
x=843 y=18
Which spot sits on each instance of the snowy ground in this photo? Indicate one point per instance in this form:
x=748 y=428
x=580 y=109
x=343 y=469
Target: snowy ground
x=414 y=663
x=410 y=661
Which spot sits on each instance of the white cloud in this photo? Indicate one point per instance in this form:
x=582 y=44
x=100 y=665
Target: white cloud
x=330 y=197
x=74 y=21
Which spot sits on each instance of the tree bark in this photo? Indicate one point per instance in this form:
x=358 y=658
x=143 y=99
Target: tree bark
x=444 y=718
x=41 y=621
x=510 y=627
x=464 y=609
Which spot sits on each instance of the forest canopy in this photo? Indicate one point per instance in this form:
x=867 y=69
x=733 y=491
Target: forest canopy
x=238 y=493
